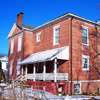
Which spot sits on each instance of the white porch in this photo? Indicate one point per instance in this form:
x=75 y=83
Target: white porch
x=43 y=57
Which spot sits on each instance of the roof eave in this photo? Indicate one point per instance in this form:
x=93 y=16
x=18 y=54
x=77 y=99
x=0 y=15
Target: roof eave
x=68 y=15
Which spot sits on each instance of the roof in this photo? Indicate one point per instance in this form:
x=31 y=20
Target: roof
x=65 y=16
x=48 y=55
x=21 y=26
x=5 y=58
x=56 y=20
x=24 y=26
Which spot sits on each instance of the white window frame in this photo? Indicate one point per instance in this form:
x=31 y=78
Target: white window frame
x=86 y=28
x=76 y=88
x=19 y=43
x=10 y=69
x=38 y=36
x=54 y=32
x=12 y=46
x=18 y=67
x=86 y=57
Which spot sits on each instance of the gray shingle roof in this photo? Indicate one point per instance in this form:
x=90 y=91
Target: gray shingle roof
x=24 y=26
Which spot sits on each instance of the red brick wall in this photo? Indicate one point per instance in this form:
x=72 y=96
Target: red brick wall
x=28 y=44
x=14 y=56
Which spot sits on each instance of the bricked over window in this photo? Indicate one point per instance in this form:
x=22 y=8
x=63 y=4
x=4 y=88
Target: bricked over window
x=12 y=46
x=10 y=70
x=56 y=35
x=19 y=43
x=85 y=35
x=85 y=61
x=18 y=67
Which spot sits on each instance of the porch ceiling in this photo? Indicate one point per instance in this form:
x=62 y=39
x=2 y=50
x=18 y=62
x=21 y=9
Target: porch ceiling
x=59 y=53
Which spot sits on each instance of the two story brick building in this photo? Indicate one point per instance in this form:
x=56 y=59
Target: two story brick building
x=62 y=54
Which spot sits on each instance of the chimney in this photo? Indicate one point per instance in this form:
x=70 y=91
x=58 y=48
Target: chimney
x=20 y=18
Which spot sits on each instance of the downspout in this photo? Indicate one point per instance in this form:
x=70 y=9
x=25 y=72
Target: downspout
x=97 y=52
x=71 y=54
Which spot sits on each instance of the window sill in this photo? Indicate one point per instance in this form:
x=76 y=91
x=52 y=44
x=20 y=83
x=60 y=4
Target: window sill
x=56 y=44
x=85 y=69
x=85 y=44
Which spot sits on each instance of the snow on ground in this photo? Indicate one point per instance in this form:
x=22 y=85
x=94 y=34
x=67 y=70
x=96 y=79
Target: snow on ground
x=26 y=93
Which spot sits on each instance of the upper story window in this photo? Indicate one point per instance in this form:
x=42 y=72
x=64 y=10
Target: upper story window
x=38 y=37
x=85 y=35
x=12 y=46
x=18 y=67
x=85 y=62
x=10 y=70
x=56 y=34
x=19 y=43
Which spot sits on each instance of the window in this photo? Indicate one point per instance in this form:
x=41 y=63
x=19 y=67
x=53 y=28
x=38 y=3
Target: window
x=77 y=88
x=12 y=46
x=85 y=35
x=38 y=37
x=18 y=67
x=10 y=70
x=56 y=35
x=19 y=43
x=85 y=62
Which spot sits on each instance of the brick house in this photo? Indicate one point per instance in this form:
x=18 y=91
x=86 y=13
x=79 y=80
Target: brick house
x=62 y=54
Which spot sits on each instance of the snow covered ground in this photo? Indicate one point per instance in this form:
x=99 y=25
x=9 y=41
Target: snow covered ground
x=27 y=94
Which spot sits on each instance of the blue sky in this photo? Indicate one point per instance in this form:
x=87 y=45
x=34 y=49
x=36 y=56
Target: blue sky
x=38 y=12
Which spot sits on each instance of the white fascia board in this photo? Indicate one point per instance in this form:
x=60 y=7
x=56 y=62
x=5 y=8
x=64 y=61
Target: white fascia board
x=12 y=30
x=68 y=15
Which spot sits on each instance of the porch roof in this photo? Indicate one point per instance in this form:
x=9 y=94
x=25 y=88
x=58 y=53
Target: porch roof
x=49 y=55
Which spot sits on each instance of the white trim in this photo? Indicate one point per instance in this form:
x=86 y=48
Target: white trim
x=86 y=81
x=85 y=56
x=12 y=30
x=37 y=37
x=55 y=27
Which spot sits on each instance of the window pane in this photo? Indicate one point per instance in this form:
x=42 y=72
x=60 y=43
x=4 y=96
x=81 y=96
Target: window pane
x=57 y=40
x=84 y=40
x=77 y=88
x=57 y=32
x=85 y=63
x=84 y=32
x=56 y=35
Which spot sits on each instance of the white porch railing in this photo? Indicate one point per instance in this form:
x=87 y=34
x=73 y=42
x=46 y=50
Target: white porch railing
x=48 y=76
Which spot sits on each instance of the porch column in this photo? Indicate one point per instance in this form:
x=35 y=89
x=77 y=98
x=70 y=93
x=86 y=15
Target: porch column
x=44 y=70
x=22 y=73
x=55 y=69
x=22 y=70
x=34 y=71
x=26 y=72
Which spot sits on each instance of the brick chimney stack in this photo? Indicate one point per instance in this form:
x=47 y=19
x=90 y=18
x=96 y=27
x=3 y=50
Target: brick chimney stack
x=20 y=18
